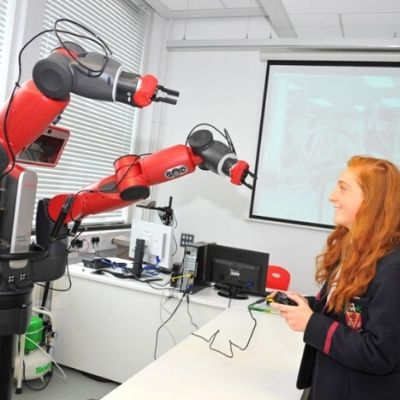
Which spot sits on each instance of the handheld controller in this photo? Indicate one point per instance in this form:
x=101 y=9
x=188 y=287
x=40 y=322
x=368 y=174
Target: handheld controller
x=281 y=298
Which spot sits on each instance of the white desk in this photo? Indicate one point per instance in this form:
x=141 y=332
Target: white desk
x=266 y=370
x=106 y=326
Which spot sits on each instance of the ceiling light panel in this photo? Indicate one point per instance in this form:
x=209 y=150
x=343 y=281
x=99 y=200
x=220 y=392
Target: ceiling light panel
x=340 y=6
x=186 y=5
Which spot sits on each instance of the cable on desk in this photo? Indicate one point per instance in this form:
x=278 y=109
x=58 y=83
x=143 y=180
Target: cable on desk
x=230 y=301
x=173 y=234
x=153 y=269
x=190 y=315
x=174 y=278
x=232 y=345
x=165 y=322
x=163 y=302
x=154 y=285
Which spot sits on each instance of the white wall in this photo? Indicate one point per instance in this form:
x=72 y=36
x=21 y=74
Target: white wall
x=27 y=23
x=225 y=88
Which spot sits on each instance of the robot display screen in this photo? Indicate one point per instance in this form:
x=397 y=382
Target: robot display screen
x=46 y=150
x=235 y=271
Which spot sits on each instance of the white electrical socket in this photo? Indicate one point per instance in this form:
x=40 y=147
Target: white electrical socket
x=105 y=242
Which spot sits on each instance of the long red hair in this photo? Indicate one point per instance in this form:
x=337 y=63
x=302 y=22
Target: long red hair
x=375 y=231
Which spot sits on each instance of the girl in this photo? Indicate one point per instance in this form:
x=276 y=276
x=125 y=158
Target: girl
x=352 y=327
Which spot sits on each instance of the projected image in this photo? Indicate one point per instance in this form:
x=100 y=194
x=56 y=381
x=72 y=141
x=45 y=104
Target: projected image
x=317 y=115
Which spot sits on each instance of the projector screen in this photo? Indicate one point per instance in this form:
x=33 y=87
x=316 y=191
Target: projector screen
x=315 y=116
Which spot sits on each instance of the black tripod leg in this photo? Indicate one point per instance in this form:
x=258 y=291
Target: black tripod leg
x=6 y=362
x=15 y=310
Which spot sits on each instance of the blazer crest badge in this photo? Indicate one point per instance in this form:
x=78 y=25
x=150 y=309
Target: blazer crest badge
x=353 y=316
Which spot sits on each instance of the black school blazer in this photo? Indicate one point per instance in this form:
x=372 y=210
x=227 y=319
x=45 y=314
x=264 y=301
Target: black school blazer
x=355 y=355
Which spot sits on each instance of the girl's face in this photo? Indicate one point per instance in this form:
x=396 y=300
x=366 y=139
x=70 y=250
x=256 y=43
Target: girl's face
x=347 y=198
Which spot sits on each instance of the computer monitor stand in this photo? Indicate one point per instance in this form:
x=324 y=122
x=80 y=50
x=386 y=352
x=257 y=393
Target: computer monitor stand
x=231 y=291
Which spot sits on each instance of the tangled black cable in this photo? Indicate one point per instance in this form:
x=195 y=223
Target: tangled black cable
x=232 y=345
x=98 y=40
x=190 y=315
x=224 y=134
x=165 y=322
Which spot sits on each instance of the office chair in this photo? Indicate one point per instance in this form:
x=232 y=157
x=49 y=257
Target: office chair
x=277 y=278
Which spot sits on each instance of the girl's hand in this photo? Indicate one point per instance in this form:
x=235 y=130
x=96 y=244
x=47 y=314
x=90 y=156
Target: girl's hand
x=298 y=316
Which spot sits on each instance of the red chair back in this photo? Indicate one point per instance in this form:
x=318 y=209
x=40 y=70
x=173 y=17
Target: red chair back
x=277 y=278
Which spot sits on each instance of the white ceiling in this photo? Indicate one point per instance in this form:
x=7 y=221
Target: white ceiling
x=304 y=19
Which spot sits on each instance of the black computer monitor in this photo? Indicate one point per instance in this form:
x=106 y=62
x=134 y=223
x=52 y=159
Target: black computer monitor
x=237 y=271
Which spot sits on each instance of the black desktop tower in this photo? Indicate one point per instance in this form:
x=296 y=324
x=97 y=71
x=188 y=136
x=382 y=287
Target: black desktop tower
x=194 y=268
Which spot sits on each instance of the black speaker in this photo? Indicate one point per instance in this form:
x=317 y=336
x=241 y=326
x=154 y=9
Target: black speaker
x=137 y=267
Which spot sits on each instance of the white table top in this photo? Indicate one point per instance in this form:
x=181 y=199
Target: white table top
x=266 y=370
x=206 y=296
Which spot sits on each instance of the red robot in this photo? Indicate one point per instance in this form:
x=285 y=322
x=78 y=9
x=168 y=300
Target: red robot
x=29 y=113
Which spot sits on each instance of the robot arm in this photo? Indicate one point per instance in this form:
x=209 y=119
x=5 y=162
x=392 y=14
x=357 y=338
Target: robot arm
x=135 y=174
x=29 y=112
x=38 y=103
x=73 y=70
x=130 y=184
x=31 y=109
x=70 y=69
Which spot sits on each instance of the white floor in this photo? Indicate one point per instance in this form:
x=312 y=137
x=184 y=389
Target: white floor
x=76 y=387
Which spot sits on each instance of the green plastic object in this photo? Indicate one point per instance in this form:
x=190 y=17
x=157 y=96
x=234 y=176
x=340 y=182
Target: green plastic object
x=34 y=334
